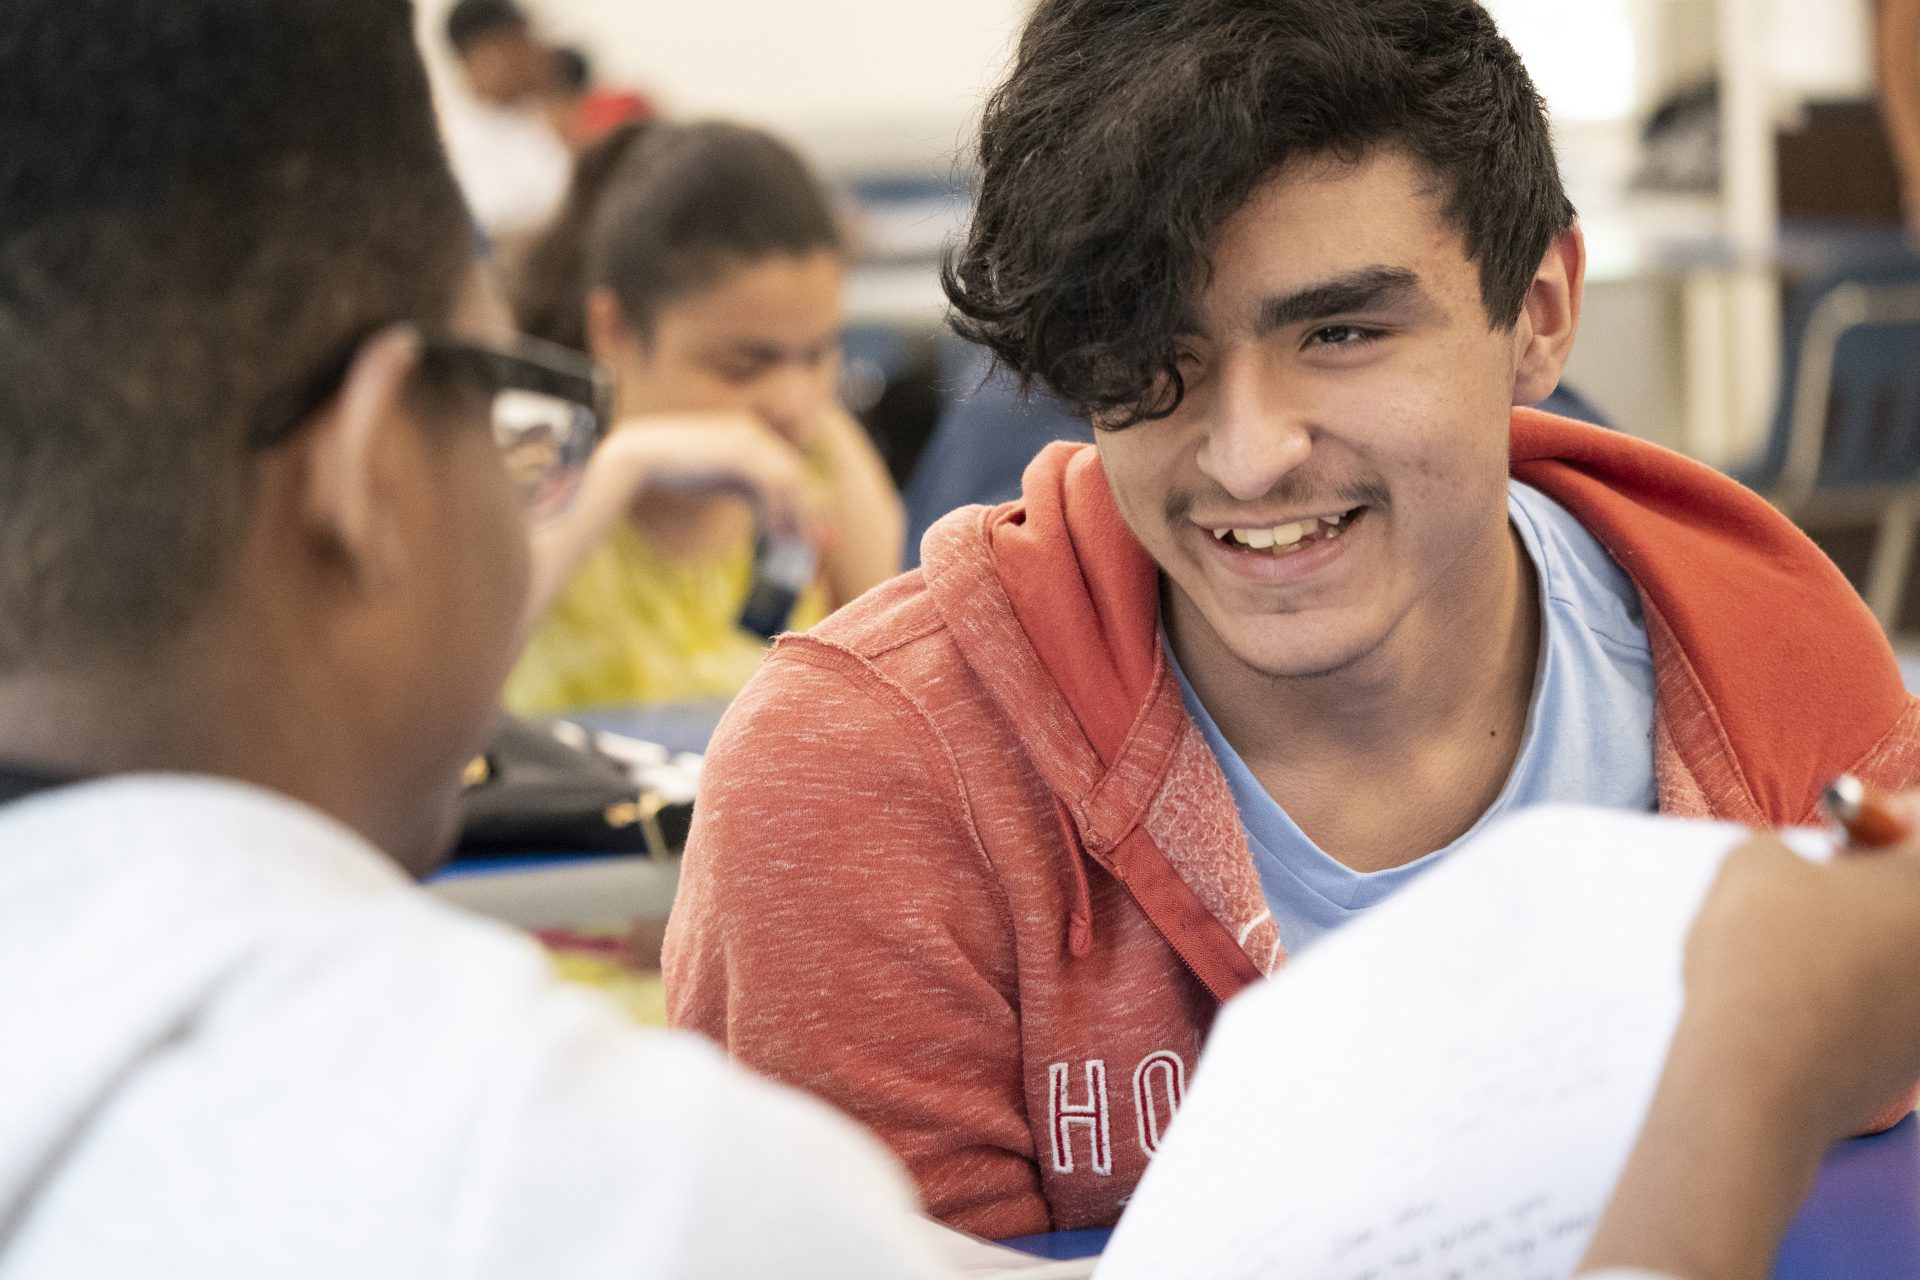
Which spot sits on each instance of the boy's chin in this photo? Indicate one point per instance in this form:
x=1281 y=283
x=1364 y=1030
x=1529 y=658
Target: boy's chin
x=1297 y=649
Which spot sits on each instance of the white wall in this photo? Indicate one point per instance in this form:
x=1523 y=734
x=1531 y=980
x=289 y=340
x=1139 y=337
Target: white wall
x=880 y=82
x=860 y=83
x=1820 y=48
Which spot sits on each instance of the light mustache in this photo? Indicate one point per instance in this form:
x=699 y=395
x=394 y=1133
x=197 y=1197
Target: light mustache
x=1293 y=493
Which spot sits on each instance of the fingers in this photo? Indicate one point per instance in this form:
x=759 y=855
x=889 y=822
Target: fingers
x=786 y=502
x=719 y=455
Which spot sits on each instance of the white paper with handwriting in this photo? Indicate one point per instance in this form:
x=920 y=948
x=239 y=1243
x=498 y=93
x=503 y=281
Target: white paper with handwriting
x=1448 y=1089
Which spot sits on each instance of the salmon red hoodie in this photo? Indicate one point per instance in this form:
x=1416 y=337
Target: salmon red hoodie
x=963 y=866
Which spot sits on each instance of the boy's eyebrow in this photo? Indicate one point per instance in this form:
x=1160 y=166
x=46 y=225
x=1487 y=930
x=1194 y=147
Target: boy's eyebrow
x=758 y=352
x=761 y=352
x=1360 y=290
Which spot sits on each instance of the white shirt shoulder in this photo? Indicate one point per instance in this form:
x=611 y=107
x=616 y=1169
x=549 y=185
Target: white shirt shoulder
x=257 y=1050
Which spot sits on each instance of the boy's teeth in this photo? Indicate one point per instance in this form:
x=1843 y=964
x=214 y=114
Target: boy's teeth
x=1285 y=535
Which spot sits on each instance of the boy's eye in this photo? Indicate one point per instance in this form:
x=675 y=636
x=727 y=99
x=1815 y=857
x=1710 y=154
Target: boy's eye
x=1343 y=335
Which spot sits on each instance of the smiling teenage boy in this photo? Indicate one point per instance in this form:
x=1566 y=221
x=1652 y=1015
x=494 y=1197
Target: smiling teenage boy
x=978 y=859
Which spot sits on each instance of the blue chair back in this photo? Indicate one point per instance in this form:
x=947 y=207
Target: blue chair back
x=1850 y=376
x=986 y=438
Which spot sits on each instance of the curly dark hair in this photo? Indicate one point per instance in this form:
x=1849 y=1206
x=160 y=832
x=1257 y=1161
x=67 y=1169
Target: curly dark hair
x=1129 y=130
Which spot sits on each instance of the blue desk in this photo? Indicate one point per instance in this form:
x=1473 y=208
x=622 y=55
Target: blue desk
x=1862 y=1221
x=1062 y=1244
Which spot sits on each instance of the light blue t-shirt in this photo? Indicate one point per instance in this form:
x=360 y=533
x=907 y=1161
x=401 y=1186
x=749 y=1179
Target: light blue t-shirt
x=1589 y=736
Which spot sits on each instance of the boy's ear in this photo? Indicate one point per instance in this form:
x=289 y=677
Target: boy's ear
x=1549 y=318
x=348 y=487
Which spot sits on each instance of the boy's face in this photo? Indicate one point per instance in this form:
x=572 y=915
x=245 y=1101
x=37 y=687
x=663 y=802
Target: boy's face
x=1347 y=408
x=508 y=67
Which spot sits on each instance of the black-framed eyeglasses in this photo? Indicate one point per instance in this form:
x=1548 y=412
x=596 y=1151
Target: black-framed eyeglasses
x=548 y=406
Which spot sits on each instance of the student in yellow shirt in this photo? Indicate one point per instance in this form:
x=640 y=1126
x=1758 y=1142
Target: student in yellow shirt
x=706 y=266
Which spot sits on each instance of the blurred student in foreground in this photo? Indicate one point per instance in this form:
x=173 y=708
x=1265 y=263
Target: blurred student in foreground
x=260 y=571
x=703 y=264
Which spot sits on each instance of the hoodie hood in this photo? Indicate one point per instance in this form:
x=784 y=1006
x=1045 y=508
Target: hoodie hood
x=1773 y=675
x=1055 y=606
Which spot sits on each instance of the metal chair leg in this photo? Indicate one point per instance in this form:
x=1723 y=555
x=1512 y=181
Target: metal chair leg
x=1892 y=557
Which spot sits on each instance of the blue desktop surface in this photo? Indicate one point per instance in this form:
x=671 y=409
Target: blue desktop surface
x=507 y=864
x=1062 y=1244
x=1862 y=1221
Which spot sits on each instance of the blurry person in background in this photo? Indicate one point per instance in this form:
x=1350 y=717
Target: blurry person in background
x=509 y=160
x=704 y=264
x=581 y=112
x=546 y=285
x=1897 y=31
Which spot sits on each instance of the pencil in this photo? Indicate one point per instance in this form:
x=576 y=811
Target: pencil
x=1869 y=821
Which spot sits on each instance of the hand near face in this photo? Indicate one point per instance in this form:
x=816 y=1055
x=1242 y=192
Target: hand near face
x=717 y=454
x=867 y=519
x=695 y=455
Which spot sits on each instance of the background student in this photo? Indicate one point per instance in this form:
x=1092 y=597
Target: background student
x=511 y=164
x=581 y=109
x=1897 y=48
x=703 y=264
